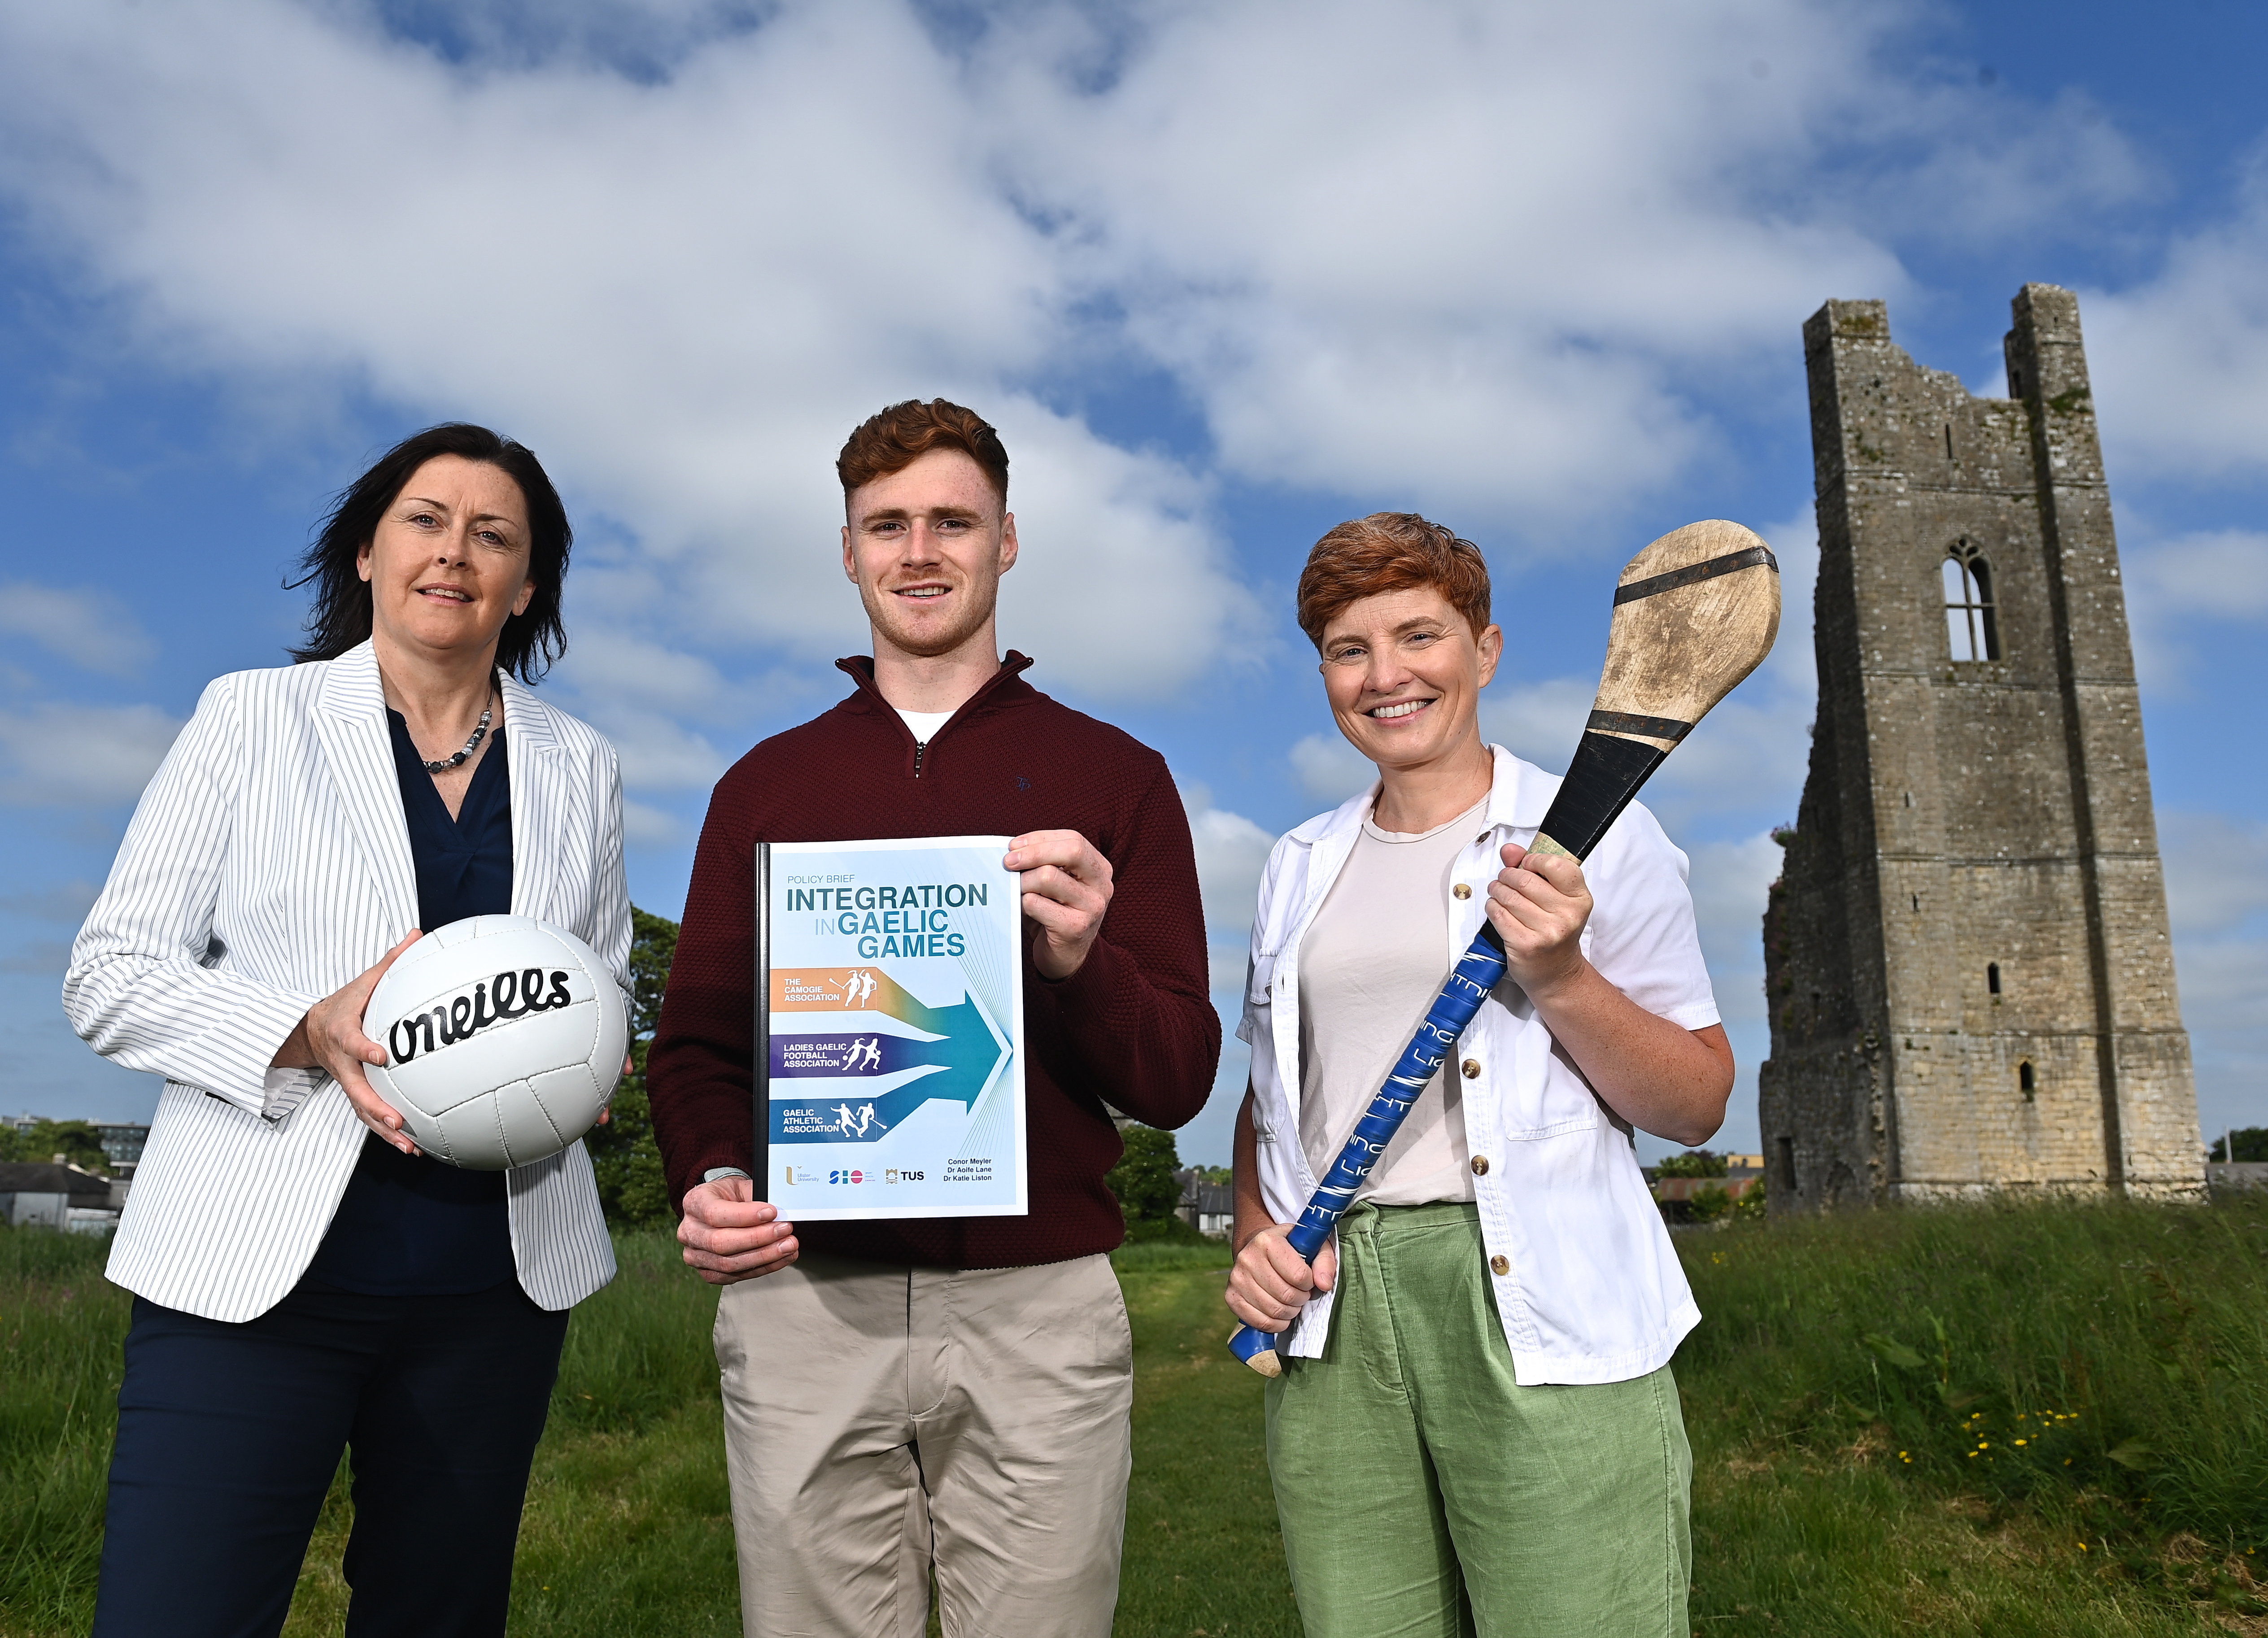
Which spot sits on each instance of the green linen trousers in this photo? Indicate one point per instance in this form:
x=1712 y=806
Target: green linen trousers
x=1425 y=1494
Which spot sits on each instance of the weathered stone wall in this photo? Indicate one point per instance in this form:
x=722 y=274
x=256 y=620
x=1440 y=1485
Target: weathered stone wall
x=1971 y=982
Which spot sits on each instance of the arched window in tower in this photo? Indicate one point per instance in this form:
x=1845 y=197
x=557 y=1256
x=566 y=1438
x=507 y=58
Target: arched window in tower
x=1970 y=626
x=2028 y=1082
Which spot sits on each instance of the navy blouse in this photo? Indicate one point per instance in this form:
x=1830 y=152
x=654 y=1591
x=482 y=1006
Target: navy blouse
x=410 y=1226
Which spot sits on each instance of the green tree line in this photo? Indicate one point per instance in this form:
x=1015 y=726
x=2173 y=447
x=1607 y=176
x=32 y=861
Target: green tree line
x=75 y=1141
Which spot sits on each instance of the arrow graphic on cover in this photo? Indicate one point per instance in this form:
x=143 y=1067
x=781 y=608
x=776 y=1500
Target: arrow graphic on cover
x=958 y=1066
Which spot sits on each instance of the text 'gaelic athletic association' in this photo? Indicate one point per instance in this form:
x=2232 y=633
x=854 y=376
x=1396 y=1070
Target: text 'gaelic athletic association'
x=889 y=1029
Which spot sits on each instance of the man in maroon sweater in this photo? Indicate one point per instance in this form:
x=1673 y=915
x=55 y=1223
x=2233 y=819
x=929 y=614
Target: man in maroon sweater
x=943 y=1393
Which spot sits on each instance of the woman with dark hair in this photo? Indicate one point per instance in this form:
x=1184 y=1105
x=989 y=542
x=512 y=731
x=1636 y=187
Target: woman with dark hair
x=306 y=1281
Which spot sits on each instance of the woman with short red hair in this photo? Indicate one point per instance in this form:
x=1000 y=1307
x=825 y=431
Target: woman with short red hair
x=1476 y=1382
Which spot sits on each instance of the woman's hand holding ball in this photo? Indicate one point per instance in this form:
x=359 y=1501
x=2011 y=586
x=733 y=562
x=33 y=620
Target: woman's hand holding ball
x=331 y=1038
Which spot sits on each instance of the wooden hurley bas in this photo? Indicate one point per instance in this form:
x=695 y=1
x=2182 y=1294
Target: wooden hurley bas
x=1695 y=612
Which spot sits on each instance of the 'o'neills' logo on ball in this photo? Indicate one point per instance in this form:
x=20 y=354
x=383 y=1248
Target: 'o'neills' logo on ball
x=507 y=996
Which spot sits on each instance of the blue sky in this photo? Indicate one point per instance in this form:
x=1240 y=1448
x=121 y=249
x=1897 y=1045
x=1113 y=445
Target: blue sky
x=1224 y=275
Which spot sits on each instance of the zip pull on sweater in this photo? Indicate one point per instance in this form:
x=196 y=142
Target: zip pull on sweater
x=860 y=669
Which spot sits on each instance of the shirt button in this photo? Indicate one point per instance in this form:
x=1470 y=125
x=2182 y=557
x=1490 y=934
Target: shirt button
x=1463 y=890
x=1472 y=1068
x=1500 y=1264
x=1480 y=1165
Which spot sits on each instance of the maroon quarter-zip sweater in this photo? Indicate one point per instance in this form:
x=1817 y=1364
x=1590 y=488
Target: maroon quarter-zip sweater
x=1133 y=1027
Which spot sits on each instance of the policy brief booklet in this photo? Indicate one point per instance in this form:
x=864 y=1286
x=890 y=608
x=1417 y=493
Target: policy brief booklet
x=890 y=1029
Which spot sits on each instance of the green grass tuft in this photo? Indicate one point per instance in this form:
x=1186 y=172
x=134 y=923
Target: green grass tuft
x=61 y=1324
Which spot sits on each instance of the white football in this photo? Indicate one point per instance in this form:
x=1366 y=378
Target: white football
x=504 y=1037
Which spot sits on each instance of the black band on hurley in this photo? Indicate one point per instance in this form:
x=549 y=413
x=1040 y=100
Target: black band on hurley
x=1601 y=781
x=1625 y=723
x=1694 y=573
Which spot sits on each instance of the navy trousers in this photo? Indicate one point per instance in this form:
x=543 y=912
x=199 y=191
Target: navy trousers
x=229 y=1435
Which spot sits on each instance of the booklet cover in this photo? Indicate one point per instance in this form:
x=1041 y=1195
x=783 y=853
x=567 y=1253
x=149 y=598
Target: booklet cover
x=889 y=1029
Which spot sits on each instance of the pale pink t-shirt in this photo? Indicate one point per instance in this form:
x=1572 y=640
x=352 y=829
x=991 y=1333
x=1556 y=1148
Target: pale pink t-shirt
x=1370 y=966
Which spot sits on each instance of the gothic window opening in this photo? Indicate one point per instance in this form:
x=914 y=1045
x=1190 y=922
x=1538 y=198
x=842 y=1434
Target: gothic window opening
x=1970 y=625
x=2027 y=1082
x=1992 y=977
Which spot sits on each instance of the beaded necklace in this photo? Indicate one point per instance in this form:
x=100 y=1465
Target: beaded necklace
x=488 y=714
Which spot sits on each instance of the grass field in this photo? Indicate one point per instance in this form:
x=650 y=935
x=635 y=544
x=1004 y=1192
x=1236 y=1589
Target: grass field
x=2042 y=1419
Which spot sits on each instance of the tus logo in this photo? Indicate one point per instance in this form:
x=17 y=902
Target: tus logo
x=515 y=995
x=846 y=1177
x=892 y=1174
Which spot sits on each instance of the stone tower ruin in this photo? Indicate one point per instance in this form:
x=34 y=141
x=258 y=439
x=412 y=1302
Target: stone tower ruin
x=1966 y=958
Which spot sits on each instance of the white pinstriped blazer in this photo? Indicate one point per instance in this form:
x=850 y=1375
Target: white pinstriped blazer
x=267 y=866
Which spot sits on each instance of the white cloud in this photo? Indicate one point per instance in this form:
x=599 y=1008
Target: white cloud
x=610 y=667
x=63 y=755
x=1330 y=769
x=660 y=753
x=1225 y=967
x=2216 y=895
x=91 y=630
x=1119 y=577
x=1540 y=721
x=2176 y=584
x=674 y=245
x=2224 y=1007
x=1729 y=880
x=2216 y=871
x=683 y=293
x=1483 y=253
x=644 y=826
x=2180 y=364
x=1232 y=851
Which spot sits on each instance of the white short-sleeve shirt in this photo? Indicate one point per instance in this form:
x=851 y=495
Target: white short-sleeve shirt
x=1587 y=1282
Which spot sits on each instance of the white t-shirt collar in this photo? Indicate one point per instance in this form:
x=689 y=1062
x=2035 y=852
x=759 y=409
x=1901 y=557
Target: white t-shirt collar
x=924 y=724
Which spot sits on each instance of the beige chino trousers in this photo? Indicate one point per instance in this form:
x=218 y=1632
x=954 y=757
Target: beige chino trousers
x=882 y=1422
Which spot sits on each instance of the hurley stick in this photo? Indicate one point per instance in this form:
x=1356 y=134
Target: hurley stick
x=1695 y=612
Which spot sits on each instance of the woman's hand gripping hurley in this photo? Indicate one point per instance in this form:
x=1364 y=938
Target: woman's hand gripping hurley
x=1539 y=906
x=1271 y=1282
x=1657 y=1075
